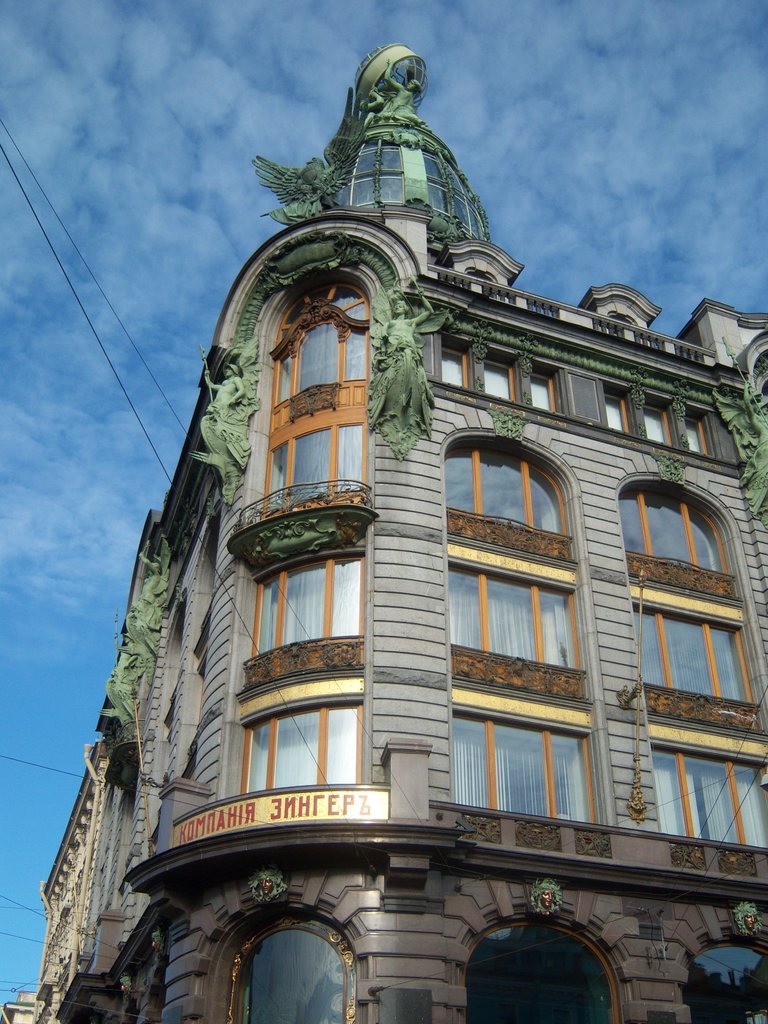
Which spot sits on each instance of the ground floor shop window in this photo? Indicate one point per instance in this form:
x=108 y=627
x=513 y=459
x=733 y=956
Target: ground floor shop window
x=303 y=973
x=535 y=975
x=728 y=984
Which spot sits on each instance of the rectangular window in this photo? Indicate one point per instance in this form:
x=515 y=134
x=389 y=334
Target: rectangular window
x=519 y=770
x=716 y=800
x=693 y=431
x=542 y=392
x=453 y=367
x=616 y=413
x=497 y=381
x=655 y=423
x=319 y=747
x=512 y=619
x=584 y=396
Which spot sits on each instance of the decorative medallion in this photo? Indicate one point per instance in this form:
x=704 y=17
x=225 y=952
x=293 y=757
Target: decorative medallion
x=267 y=884
x=484 y=830
x=683 y=855
x=546 y=897
x=736 y=862
x=536 y=836
x=593 y=844
x=672 y=468
x=747 y=918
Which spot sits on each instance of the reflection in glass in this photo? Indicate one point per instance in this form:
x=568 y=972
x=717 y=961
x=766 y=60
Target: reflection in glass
x=727 y=984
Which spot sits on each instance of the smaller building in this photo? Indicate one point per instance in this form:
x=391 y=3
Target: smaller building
x=21 y=1010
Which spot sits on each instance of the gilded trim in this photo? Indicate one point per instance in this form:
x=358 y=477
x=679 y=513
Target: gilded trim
x=689 y=604
x=549 y=572
x=302 y=691
x=731 y=746
x=527 y=708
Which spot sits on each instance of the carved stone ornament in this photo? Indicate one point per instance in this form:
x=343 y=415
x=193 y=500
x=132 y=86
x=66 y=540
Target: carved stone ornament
x=480 y=339
x=593 y=844
x=508 y=424
x=312 y=400
x=683 y=855
x=267 y=884
x=680 y=574
x=484 y=830
x=671 y=467
x=679 y=398
x=509 y=534
x=736 y=862
x=700 y=707
x=516 y=673
x=327 y=655
x=537 y=837
x=637 y=387
x=527 y=345
x=747 y=919
x=546 y=897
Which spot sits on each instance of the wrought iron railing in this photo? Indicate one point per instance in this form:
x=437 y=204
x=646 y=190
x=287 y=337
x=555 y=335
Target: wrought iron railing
x=298 y=496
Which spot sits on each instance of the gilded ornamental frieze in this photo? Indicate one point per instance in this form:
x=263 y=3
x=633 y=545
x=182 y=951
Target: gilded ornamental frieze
x=736 y=862
x=680 y=574
x=516 y=673
x=700 y=707
x=685 y=855
x=508 y=533
x=326 y=655
x=313 y=399
x=537 y=836
x=590 y=843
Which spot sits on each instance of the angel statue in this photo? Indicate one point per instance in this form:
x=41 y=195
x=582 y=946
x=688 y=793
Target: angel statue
x=390 y=100
x=304 y=191
x=400 y=398
x=747 y=421
x=225 y=424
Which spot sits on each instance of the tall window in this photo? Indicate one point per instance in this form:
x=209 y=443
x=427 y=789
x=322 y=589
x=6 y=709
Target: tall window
x=309 y=748
x=706 y=799
x=517 y=620
x=522 y=770
x=656 y=524
x=321 y=600
x=335 y=453
x=493 y=483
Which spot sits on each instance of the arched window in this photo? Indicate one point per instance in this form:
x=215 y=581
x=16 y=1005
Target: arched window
x=667 y=527
x=726 y=984
x=302 y=973
x=538 y=975
x=493 y=483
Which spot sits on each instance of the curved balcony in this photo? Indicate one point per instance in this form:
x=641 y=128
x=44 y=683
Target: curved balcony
x=508 y=533
x=328 y=655
x=302 y=519
x=674 y=573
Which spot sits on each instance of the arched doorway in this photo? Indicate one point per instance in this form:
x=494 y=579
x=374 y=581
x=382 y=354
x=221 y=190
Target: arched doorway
x=728 y=985
x=536 y=975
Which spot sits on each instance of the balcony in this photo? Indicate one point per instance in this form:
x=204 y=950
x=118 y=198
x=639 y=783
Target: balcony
x=509 y=534
x=507 y=673
x=327 y=656
x=303 y=519
x=683 y=575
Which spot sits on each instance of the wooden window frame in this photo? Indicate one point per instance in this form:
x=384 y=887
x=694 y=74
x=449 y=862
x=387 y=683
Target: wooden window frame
x=549 y=380
x=510 y=371
x=665 y=429
x=697 y=425
x=549 y=774
x=290 y=435
x=282 y=578
x=645 y=528
x=322 y=745
x=609 y=396
x=463 y=355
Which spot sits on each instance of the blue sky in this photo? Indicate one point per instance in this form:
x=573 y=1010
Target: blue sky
x=609 y=142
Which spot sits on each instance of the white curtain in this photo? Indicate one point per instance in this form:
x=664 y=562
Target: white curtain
x=350 y=461
x=754 y=813
x=312 y=457
x=296 y=750
x=319 y=356
x=346 y=599
x=670 y=803
x=729 y=672
x=510 y=620
x=469 y=759
x=687 y=656
x=305 y=600
x=268 y=622
x=712 y=811
x=257 y=778
x=570 y=784
x=556 y=628
x=520 y=777
x=341 y=768
x=464 y=609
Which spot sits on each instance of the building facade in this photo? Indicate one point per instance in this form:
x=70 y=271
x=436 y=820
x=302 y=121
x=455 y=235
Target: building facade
x=441 y=692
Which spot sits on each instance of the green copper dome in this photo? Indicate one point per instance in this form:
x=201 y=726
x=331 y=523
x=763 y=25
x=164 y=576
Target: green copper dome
x=383 y=154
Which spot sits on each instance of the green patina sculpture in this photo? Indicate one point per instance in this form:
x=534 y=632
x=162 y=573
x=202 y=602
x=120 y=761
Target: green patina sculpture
x=546 y=896
x=267 y=884
x=225 y=424
x=744 y=416
x=138 y=653
x=747 y=918
x=507 y=424
x=304 y=191
x=391 y=100
x=671 y=467
x=400 y=398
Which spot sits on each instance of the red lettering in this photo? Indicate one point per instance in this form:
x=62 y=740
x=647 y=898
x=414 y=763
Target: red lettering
x=349 y=800
x=289 y=808
x=250 y=812
x=304 y=806
x=315 y=801
x=276 y=808
x=200 y=826
x=210 y=823
x=333 y=800
x=234 y=815
x=365 y=809
x=183 y=833
x=221 y=821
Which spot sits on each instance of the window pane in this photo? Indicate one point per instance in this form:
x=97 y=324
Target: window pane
x=354 y=358
x=670 y=802
x=464 y=609
x=728 y=664
x=390 y=158
x=712 y=813
x=319 y=356
x=540 y=396
x=630 y=523
x=654 y=425
x=687 y=652
x=304 y=600
x=653 y=673
x=459 y=491
x=497 y=380
x=502 y=487
x=312 y=456
x=546 y=504
x=665 y=524
x=510 y=620
x=363 y=192
x=279 y=468
x=556 y=628
x=693 y=435
x=570 y=782
x=350 y=453
x=520 y=771
x=268 y=622
x=296 y=750
x=367 y=158
x=257 y=778
x=585 y=402
x=437 y=197
x=391 y=188
x=284 y=381
x=342 y=747
x=753 y=809
x=470 y=785
x=452 y=368
x=613 y=415
x=705 y=542
x=346 y=599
